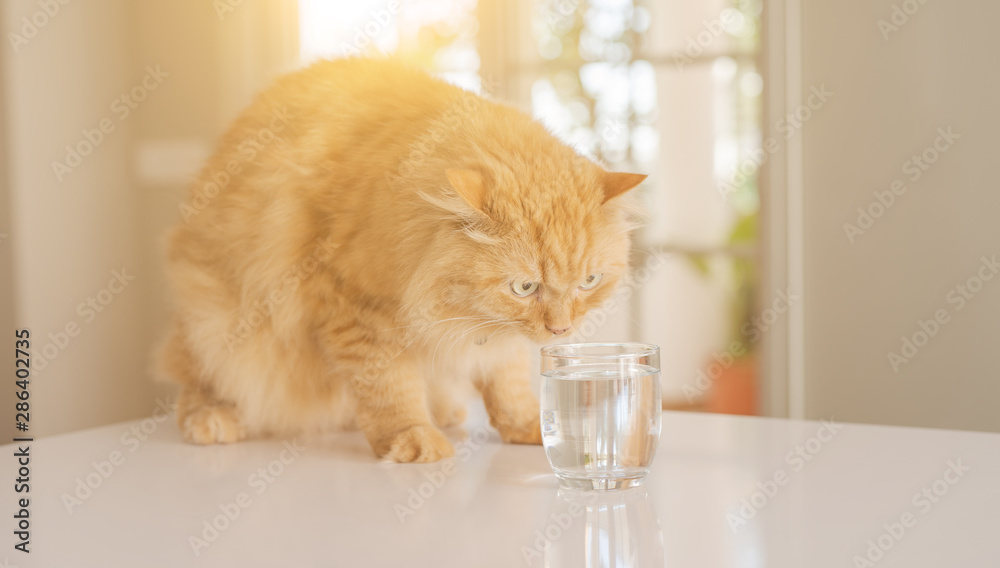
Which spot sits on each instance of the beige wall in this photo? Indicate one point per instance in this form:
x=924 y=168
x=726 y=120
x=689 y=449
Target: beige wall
x=891 y=96
x=6 y=268
x=69 y=236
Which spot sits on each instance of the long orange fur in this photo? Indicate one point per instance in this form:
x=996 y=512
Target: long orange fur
x=347 y=258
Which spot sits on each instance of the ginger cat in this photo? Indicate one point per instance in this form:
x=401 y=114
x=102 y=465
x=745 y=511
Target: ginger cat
x=365 y=240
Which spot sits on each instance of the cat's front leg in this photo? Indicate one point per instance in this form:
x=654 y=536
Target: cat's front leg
x=392 y=412
x=512 y=406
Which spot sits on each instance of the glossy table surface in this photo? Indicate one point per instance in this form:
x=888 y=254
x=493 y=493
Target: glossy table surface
x=723 y=491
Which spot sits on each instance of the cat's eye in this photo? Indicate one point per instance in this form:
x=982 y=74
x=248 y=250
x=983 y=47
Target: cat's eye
x=591 y=281
x=523 y=289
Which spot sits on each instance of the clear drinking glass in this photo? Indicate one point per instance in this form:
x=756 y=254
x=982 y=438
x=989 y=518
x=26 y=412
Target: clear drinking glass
x=600 y=412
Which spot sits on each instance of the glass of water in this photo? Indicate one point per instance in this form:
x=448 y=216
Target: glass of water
x=600 y=412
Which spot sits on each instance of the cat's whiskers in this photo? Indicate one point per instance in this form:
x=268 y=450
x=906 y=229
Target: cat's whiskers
x=502 y=327
x=456 y=337
x=503 y=332
x=433 y=323
x=425 y=330
x=458 y=340
x=417 y=336
x=452 y=335
x=476 y=327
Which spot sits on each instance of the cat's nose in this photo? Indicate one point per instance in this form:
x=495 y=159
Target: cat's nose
x=557 y=331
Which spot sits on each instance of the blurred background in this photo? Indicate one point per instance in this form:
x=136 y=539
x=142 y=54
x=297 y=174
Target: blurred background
x=822 y=205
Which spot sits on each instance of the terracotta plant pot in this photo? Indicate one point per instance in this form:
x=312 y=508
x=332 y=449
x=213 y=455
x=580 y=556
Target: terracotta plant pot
x=735 y=391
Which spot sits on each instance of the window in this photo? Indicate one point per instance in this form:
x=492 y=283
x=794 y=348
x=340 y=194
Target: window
x=435 y=35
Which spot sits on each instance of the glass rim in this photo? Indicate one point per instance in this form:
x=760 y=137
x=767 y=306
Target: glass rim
x=633 y=350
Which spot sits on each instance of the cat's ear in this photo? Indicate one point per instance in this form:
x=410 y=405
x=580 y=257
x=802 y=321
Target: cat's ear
x=617 y=183
x=470 y=186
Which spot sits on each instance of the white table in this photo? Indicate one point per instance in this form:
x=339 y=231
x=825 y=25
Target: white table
x=333 y=505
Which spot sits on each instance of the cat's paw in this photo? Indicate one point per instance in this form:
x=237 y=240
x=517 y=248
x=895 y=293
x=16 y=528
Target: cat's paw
x=525 y=434
x=420 y=444
x=212 y=425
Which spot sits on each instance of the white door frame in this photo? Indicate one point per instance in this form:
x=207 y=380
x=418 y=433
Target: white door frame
x=782 y=379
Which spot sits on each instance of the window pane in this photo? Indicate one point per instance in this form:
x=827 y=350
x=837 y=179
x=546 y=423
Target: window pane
x=686 y=30
x=696 y=127
x=708 y=126
x=695 y=309
x=435 y=35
